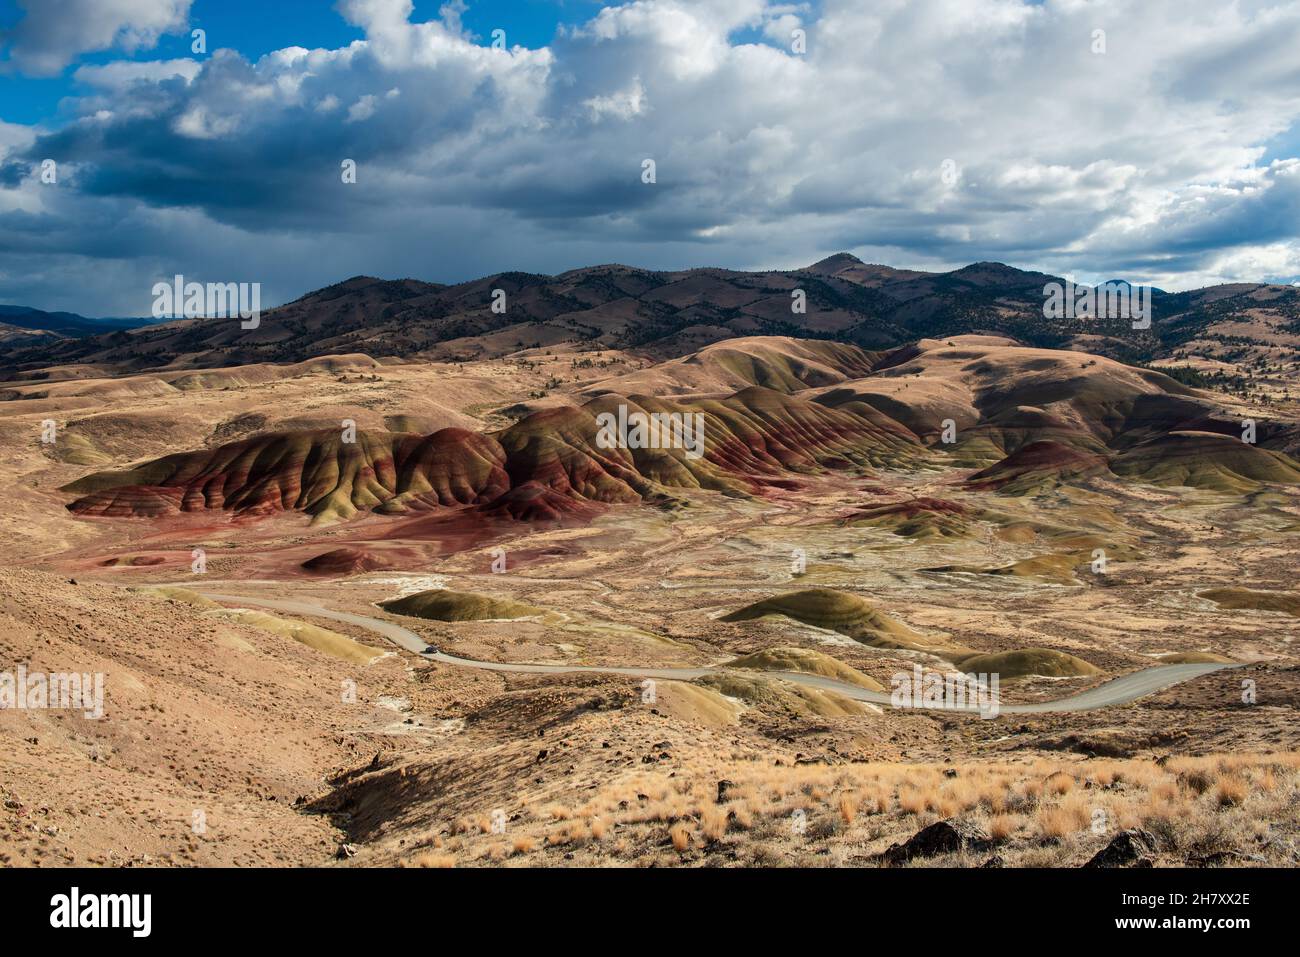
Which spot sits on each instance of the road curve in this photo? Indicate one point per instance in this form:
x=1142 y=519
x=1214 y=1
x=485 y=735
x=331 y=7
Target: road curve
x=1120 y=690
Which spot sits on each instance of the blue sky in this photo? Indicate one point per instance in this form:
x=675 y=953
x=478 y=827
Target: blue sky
x=1156 y=140
x=258 y=28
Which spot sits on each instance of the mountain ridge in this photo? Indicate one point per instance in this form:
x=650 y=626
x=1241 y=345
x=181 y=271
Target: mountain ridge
x=664 y=314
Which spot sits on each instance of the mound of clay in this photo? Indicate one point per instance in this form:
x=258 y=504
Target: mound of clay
x=343 y=561
x=1037 y=467
x=695 y=703
x=1206 y=460
x=441 y=604
x=806 y=661
x=825 y=608
x=847 y=614
x=322 y=639
x=133 y=561
x=1193 y=658
x=1028 y=661
x=923 y=519
x=1251 y=600
x=773 y=696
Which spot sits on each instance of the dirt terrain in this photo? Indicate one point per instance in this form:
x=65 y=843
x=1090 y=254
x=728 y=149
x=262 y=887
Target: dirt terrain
x=1054 y=518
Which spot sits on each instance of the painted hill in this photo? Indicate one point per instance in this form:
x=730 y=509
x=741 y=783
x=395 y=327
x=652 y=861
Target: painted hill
x=1037 y=417
x=315 y=472
x=1038 y=466
x=543 y=466
x=1208 y=460
x=923 y=519
x=445 y=605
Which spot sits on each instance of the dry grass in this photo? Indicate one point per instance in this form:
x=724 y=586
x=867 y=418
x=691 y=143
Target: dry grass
x=523 y=844
x=1064 y=819
x=1048 y=811
x=713 y=823
x=680 y=835
x=1231 y=792
x=848 y=807
x=1003 y=826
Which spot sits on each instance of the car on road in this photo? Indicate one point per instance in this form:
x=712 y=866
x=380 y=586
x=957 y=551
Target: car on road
x=430 y=650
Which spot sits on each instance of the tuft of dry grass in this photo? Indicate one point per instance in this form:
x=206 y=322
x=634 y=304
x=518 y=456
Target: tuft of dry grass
x=911 y=801
x=1059 y=783
x=1231 y=791
x=680 y=835
x=1002 y=826
x=848 y=807
x=523 y=844
x=1064 y=819
x=713 y=823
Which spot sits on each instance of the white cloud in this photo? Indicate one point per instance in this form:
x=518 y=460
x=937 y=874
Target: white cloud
x=362 y=109
x=119 y=75
x=1164 y=159
x=624 y=104
x=53 y=33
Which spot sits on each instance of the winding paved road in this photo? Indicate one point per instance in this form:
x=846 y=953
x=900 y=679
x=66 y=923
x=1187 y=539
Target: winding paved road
x=1120 y=690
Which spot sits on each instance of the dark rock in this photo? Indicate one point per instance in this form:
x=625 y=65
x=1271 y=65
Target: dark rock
x=723 y=787
x=345 y=851
x=994 y=861
x=1132 y=848
x=943 y=837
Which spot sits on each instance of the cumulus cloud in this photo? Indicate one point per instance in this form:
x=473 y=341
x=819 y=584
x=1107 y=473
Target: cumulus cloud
x=120 y=75
x=53 y=33
x=928 y=133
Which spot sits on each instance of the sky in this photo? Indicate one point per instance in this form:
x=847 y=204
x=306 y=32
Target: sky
x=1152 y=140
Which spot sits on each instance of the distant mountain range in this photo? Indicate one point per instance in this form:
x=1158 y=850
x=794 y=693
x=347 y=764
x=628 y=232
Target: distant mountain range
x=667 y=314
x=63 y=323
